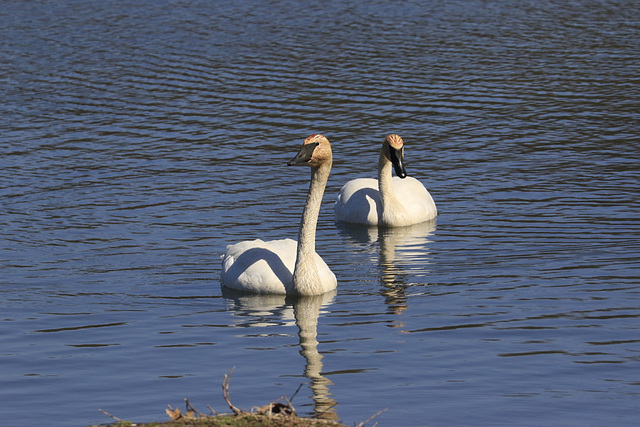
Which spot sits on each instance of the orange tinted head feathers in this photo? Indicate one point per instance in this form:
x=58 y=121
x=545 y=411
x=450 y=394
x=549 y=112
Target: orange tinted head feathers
x=394 y=141
x=318 y=153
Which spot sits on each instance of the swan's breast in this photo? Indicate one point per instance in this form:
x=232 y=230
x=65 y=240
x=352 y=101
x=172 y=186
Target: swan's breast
x=415 y=198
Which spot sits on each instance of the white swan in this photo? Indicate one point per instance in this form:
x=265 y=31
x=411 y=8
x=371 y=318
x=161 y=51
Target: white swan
x=284 y=266
x=387 y=201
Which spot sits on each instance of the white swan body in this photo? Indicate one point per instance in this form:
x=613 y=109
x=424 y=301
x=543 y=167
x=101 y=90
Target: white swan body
x=263 y=267
x=387 y=201
x=286 y=266
x=359 y=203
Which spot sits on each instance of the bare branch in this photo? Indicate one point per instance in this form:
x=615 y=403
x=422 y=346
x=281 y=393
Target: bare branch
x=112 y=416
x=190 y=407
x=296 y=392
x=293 y=411
x=371 y=417
x=225 y=391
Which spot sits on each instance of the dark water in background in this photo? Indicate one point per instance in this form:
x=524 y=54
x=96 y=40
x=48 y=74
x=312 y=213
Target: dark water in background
x=140 y=139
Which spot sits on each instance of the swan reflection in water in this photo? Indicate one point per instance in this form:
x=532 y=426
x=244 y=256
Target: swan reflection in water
x=398 y=250
x=303 y=311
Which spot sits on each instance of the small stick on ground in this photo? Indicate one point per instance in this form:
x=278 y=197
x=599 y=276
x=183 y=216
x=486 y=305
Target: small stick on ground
x=190 y=407
x=296 y=392
x=112 y=416
x=371 y=417
x=225 y=392
x=293 y=410
x=330 y=407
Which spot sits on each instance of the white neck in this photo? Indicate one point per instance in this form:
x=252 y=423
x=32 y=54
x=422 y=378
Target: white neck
x=390 y=204
x=306 y=280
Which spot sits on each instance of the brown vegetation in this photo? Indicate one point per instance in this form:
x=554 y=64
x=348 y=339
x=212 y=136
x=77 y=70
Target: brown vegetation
x=279 y=413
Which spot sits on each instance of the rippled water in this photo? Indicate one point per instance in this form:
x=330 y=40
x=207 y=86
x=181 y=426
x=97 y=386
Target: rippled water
x=140 y=139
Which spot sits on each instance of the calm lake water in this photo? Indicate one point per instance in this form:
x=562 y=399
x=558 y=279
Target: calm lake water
x=140 y=138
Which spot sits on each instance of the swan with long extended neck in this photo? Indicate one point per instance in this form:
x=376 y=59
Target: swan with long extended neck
x=286 y=266
x=388 y=201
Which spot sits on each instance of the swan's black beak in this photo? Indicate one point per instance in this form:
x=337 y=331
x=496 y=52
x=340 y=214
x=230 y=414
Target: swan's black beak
x=304 y=155
x=397 y=160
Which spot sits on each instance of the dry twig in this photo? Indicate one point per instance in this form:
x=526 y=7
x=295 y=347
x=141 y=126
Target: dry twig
x=293 y=410
x=330 y=407
x=112 y=416
x=189 y=407
x=296 y=392
x=371 y=417
x=225 y=391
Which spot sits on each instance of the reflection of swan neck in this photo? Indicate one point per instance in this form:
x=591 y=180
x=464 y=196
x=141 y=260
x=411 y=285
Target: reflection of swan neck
x=306 y=279
x=309 y=350
x=307 y=311
x=394 y=265
x=388 y=242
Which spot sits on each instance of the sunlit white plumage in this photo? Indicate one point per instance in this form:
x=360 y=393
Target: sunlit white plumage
x=388 y=201
x=286 y=266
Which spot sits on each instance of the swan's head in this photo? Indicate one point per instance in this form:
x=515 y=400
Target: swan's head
x=314 y=152
x=393 y=150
